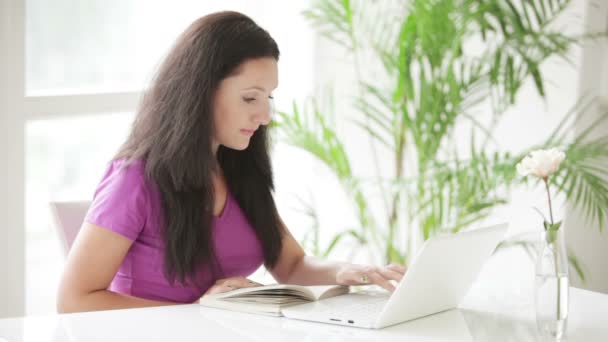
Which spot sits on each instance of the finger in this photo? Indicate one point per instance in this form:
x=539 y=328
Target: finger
x=222 y=281
x=362 y=276
x=389 y=274
x=219 y=289
x=378 y=279
x=232 y=281
x=353 y=275
x=240 y=282
x=249 y=283
x=255 y=283
x=397 y=268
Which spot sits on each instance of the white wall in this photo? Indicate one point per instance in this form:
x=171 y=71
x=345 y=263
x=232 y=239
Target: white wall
x=584 y=237
x=12 y=244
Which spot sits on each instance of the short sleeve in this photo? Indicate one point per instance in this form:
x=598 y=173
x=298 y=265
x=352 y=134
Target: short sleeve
x=121 y=201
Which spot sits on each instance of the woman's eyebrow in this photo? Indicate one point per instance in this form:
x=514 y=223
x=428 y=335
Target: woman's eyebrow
x=257 y=88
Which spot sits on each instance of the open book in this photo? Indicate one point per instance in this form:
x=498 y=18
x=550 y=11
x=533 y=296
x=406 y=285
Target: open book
x=270 y=299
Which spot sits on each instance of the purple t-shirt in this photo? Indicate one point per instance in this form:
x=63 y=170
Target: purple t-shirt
x=126 y=203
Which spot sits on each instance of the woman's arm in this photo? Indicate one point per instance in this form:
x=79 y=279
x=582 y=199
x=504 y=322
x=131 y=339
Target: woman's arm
x=295 y=267
x=91 y=265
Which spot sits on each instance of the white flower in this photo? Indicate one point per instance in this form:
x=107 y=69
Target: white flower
x=541 y=163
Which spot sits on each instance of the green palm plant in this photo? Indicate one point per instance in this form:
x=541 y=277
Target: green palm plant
x=433 y=82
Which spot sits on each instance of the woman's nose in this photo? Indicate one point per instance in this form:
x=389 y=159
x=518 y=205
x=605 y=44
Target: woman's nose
x=263 y=118
x=264 y=115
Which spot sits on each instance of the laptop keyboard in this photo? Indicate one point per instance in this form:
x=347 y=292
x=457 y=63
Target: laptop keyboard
x=355 y=306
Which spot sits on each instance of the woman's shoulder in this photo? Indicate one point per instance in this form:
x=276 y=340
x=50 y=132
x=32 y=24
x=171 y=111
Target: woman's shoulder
x=122 y=200
x=129 y=168
x=124 y=173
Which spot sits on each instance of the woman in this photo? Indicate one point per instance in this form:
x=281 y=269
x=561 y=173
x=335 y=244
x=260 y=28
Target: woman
x=186 y=207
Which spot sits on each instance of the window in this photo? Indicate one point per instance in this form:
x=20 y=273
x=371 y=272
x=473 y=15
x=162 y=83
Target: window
x=76 y=47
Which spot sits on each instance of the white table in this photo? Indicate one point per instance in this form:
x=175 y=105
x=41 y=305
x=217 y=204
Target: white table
x=498 y=308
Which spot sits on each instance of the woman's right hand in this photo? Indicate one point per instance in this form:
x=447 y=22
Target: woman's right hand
x=229 y=284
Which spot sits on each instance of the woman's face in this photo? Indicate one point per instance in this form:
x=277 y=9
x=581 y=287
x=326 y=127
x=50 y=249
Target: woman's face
x=243 y=102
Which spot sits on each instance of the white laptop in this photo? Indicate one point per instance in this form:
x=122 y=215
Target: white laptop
x=437 y=280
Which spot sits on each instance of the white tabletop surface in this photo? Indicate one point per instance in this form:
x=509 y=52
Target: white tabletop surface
x=498 y=308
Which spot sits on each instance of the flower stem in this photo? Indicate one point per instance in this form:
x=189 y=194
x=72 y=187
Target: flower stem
x=546 y=179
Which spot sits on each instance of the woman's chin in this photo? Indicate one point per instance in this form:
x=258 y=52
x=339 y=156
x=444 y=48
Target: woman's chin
x=239 y=147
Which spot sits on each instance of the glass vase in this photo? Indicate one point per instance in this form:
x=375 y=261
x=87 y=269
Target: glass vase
x=552 y=286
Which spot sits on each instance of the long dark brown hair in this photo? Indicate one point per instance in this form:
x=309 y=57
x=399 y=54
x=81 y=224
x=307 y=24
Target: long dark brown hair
x=173 y=133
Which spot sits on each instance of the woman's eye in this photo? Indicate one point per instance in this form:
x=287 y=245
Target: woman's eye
x=249 y=99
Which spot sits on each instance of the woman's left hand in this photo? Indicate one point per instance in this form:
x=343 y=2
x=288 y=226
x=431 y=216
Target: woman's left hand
x=351 y=274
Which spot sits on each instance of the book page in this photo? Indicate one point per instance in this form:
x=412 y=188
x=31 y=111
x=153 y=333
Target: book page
x=269 y=299
x=282 y=293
